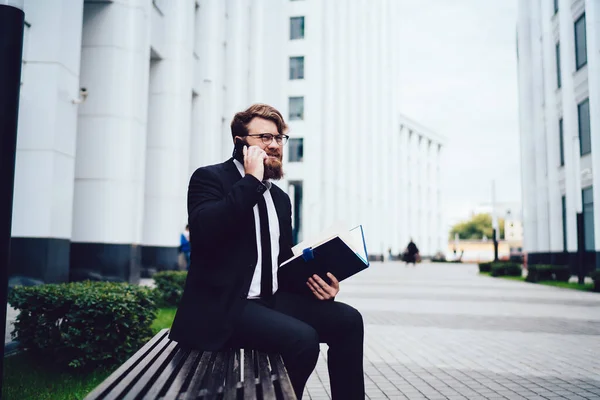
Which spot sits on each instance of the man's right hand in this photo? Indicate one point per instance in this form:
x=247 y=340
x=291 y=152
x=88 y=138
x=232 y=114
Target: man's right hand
x=254 y=161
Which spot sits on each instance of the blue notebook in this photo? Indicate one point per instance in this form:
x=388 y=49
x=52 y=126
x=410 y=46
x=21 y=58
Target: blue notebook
x=343 y=255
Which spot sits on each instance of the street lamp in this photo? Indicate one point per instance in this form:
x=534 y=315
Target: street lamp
x=12 y=21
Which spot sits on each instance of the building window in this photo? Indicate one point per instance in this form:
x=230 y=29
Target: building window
x=555 y=6
x=564 y=222
x=562 y=142
x=558 y=81
x=296 y=68
x=296 y=149
x=297 y=213
x=296 y=107
x=580 y=42
x=296 y=28
x=585 y=138
x=588 y=219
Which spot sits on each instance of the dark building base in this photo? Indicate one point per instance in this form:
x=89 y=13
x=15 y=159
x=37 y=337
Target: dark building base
x=104 y=261
x=591 y=260
x=44 y=259
x=155 y=258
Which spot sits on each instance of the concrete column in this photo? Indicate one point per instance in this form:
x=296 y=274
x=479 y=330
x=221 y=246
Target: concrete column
x=433 y=199
x=423 y=200
x=46 y=140
x=211 y=31
x=526 y=110
x=363 y=126
x=442 y=233
x=329 y=124
x=570 y=122
x=111 y=140
x=314 y=118
x=405 y=193
x=167 y=146
x=592 y=9
x=354 y=114
x=539 y=131
x=551 y=123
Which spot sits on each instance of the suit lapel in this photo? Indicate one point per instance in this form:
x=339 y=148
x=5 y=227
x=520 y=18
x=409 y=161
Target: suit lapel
x=232 y=175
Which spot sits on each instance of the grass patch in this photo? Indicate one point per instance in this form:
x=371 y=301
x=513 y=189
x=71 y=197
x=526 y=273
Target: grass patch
x=586 y=287
x=164 y=319
x=29 y=378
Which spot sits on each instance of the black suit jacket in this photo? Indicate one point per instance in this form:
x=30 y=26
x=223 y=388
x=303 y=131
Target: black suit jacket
x=224 y=253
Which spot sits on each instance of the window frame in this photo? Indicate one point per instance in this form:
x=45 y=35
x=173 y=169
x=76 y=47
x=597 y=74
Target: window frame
x=587 y=209
x=299 y=146
x=295 y=98
x=301 y=37
x=558 y=69
x=580 y=63
x=561 y=136
x=564 y=221
x=298 y=76
x=582 y=151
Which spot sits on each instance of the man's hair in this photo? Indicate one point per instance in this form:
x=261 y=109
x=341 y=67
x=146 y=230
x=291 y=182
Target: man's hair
x=239 y=124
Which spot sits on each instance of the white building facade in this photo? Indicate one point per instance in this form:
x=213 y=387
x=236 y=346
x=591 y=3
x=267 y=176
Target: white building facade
x=102 y=173
x=559 y=89
x=353 y=158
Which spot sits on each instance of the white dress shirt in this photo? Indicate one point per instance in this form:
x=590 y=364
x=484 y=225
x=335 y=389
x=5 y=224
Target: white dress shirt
x=254 y=292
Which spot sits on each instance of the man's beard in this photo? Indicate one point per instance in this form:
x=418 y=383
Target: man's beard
x=273 y=168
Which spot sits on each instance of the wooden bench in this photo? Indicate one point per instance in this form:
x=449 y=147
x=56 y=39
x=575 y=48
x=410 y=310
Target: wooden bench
x=163 y=370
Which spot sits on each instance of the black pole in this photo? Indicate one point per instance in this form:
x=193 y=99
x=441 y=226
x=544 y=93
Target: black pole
x=495 y=238
x=12 y=22
x=581 y=270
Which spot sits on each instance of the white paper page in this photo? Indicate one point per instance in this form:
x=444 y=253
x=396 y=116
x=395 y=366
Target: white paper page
x=336 y=229
x=354 y=239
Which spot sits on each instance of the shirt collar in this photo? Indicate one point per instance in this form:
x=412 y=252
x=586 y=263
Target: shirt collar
x=240 y=169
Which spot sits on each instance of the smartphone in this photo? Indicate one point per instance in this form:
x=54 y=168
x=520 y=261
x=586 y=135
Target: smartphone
x=238 y=150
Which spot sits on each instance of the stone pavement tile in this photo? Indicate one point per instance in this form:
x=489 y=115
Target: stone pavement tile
x=444 y=331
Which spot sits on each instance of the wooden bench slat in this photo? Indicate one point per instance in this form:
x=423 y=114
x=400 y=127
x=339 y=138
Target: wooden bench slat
x=146 y=377
x=217 y=376
x=189 y=366
x=199 y=372
x=233 y=375
x=264 y=375
x=167 y=373
x=282 y=377
x=162 y=370
x=124 y=370
x=249 y=375
x=128 y=380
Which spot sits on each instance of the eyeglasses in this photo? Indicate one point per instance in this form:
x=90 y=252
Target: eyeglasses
x=267 y=138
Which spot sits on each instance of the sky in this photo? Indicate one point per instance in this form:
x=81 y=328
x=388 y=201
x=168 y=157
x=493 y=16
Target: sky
x=458 y=77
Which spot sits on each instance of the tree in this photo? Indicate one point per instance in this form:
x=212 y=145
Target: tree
x=477 y=227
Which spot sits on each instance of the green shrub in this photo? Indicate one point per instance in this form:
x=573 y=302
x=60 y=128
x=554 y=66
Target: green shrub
x=169 y=287
x=596 y=277
x=83 y=325
x=536 y=273
x=506 y=269
x=485 y=267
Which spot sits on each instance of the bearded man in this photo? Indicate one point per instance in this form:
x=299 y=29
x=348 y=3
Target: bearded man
x=240 y=232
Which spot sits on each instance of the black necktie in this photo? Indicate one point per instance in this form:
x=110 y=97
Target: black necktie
x=266 y=276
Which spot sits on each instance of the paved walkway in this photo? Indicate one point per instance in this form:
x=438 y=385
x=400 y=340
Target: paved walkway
x=441 y=331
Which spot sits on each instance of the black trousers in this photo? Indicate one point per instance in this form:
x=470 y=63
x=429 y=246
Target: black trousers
x=294 y=325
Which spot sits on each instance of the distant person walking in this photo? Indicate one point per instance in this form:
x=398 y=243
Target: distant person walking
x=184 y=246
x=411 y=254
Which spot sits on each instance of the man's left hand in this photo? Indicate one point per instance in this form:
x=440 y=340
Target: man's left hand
x=321 y=289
